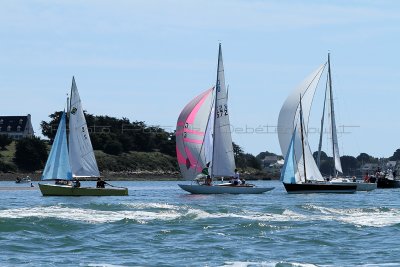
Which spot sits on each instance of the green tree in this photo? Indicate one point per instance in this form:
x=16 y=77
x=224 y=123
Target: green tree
x=237 y=150
x=4 y=141
x=134 y=136
x=349 y=165
x=30 y=154
x=262 y=155
x=327 y=167
x=324 y=156
x=396 y=155
x=365 y=158
x=113 y=148
x=7 y=167
x=49 y=129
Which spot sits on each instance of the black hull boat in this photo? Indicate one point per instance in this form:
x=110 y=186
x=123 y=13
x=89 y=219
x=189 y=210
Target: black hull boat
x=387 y=183
x=307 y=188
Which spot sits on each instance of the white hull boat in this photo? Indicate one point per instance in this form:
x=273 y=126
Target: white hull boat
x=361 y=186
x=204 y=142
x=224 y=189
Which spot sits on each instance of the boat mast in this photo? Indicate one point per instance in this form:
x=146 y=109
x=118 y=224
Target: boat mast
x=217 y=89
x=322 y=130
x=332 y=114
x=302 y=140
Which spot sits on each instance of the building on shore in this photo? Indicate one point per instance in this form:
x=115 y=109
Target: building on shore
x=16 y=127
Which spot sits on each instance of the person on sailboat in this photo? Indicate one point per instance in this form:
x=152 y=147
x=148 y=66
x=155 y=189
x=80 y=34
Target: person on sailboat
x=100 y=183
x=208 y=180
x=205 y=170
x=77 y=183
x=237 y=180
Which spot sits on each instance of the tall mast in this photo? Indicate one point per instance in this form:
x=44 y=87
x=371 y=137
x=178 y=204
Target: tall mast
x=217 y=89
x=322 y=129
x=332 y=114
x=302 y=140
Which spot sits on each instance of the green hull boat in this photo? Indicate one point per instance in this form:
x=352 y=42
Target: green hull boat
x=66 y=190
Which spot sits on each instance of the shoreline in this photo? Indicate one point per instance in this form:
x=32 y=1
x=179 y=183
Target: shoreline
x=129 y=176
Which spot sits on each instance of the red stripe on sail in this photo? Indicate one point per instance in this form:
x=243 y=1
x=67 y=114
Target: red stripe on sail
x=193 y=141
x=180 y=157
x=192 y=159
x=193 y=114
x=189 y=131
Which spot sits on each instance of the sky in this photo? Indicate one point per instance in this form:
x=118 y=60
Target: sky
x=146 y=59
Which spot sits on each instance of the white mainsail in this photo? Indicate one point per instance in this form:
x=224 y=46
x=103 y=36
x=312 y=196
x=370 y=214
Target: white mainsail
x=81 y=155
x=223 y=163
x=289 y=121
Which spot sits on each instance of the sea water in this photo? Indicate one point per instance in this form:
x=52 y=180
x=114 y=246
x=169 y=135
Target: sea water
x=159 y=224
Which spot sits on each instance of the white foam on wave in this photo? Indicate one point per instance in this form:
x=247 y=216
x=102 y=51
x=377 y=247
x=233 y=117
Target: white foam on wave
x=102 y=265
x=87 y=215
x=144 y=205
x=372 y=217
x=145 y=212
x=267 y=264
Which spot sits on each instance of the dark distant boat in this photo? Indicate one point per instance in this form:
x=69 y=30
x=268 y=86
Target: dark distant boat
x=74 y=160
x=300 y=173
x=23 y=180
x=324 y=187
x=384 y=181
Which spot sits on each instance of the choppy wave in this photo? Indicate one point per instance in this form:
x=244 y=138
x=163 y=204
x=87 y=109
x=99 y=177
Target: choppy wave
x=268 y=264
x=145 y=212
x=373 y=217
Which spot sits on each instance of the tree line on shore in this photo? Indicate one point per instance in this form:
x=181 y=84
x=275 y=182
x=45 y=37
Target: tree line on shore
x=123 y=145
x=119 y=144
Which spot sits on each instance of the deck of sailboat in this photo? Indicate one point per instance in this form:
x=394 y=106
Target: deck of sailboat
x=66 y=190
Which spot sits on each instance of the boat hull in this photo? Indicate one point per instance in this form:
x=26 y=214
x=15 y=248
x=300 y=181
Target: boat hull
x=366 y=186
x=64 y=190
x=215 y=189
x=360 y=186
x=388 y=183
x=309 y=188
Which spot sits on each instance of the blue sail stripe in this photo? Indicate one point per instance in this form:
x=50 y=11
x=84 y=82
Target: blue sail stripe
x=57 y=165
x=288 y=172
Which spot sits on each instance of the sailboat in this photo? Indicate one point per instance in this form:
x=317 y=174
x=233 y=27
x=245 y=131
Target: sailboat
x=300 y=173
x=337 y=165
x=74 y=159
x=203 y=136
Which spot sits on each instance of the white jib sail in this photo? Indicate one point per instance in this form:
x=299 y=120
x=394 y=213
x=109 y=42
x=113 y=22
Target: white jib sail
x=81 y=156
